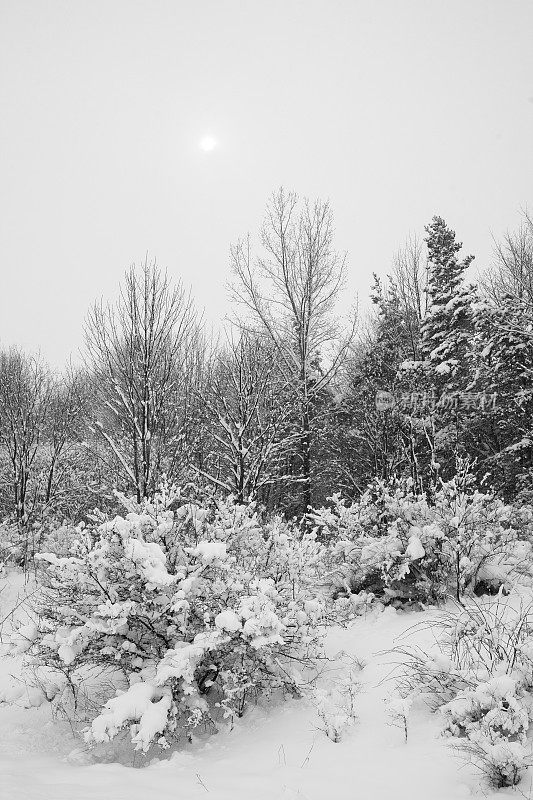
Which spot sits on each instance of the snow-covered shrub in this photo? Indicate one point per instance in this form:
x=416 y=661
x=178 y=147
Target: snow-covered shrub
x=486 y=542
x=335 y=709
x=431 y=677
x=10 y=542
x=492 y=706
x=189 y=614
x=347 y=607
x=502 y=762
x=395 y=544
x=368 y=547
x=20 y=543
x=489 y=723
x=335 y=704
x=398 y=709
x=58 y=539
x=480 y=677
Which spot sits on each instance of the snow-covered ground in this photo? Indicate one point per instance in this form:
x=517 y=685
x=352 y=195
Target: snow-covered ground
x=273 y=753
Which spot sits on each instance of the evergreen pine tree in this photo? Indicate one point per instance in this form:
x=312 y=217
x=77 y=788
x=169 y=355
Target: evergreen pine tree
x=443 y=373
x=447 y=328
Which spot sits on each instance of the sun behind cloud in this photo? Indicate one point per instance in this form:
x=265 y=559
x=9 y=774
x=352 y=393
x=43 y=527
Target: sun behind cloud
x=208 y=143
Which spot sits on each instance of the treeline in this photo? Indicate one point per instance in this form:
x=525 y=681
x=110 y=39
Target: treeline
x=283 y=408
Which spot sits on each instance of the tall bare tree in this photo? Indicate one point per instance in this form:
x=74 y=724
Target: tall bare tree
x=139 y=352
x=290 y=292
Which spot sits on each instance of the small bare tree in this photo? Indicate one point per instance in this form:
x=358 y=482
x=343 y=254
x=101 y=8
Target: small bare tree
x=409 y=275
x=25 y=399
x=246 y=419
x=512 y=269
x=138 y=351
x=63 y=443
x=290 y=294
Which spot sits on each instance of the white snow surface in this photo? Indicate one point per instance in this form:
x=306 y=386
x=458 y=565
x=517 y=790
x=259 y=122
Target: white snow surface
x=273 y=753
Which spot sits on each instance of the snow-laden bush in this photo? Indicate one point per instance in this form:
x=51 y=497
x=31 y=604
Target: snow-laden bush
x=480 y=677
x=502 y=762
x=335 y=709
x=58 y=539
x=395 y=544
x=334 y=701
x=189 y=614
x=19 y=543
x=10 y=543
x=398 y=710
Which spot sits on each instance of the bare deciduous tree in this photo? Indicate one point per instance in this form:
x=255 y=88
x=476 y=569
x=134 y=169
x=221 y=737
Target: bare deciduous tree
x=290 y=294
x=512 y=269
x=66 y=421
x=409 y=274
x=139 y=353
x=25 y=398
x=245 y=418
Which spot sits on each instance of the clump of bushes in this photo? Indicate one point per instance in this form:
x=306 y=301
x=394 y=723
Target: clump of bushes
x=395 y=544
x=480 y=678
x=185 y=615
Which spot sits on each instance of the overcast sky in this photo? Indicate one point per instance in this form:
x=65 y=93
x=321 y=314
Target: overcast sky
x=395 y=110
